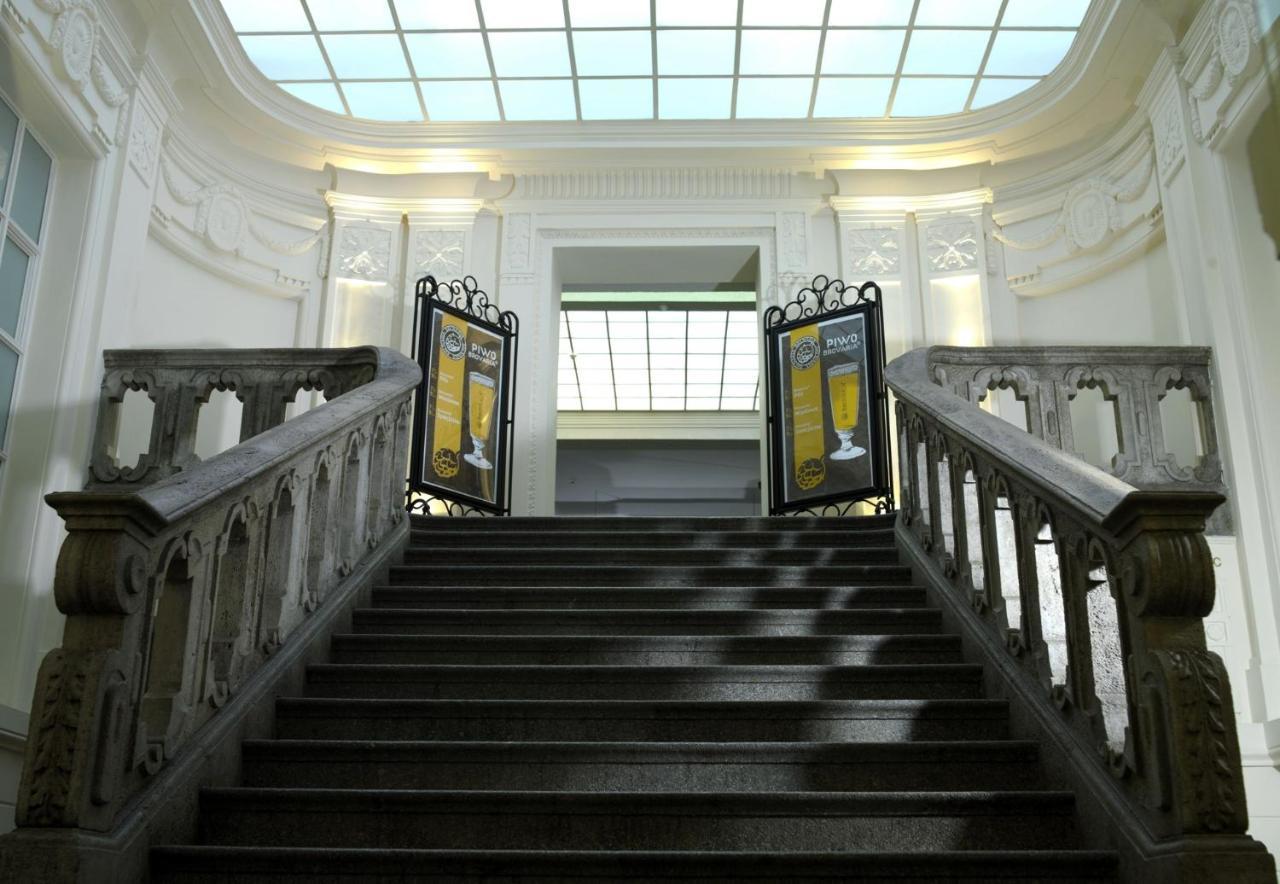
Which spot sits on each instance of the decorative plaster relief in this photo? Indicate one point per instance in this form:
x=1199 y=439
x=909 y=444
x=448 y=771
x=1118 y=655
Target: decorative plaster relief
x=365 y=253
x=144 y=143
x=875 y=251
x=1220 y=54
x=439 y=253
x=1237 y=33
x=516 y=246
x=793 y=242
x=1166 y=125
x=223 y=216
x=76 y=43
x=951 y=243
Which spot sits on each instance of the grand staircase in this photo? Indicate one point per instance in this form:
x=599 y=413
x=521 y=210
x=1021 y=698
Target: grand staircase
x=641 y=700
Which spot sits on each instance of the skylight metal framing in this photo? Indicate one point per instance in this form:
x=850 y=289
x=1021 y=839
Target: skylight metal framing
x=738 y=75
x=589 y=385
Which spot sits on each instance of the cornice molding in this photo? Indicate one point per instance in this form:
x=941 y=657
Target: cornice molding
x=891 y=208
x=603 y=425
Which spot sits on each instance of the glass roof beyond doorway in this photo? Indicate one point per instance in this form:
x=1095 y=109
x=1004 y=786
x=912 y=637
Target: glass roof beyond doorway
x=545 y=60
x=689 y=355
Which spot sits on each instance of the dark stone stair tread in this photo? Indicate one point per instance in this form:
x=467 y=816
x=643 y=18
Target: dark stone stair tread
x=637 y=865
x=807 y=709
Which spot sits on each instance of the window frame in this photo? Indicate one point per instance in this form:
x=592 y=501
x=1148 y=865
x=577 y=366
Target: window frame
x=34 y=250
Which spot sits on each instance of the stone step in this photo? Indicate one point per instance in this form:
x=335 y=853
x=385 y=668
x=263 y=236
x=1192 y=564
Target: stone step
x=921 y=681
x=318 y=718
x=654 y=574
x=407 y=818
x=621 y=524
x=207 y=864
x=523 y=597
x=492 y=555
x=773 y=539
x=642 y=767
x=656 y=621
x=641 y=650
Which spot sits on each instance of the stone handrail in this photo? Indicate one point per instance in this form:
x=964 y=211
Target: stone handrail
x=180 y=579
x=1089 y=590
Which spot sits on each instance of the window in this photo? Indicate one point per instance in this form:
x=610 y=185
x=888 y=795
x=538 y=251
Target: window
x=25 y=172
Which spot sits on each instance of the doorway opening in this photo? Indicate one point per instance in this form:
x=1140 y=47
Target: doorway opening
x=659 y=383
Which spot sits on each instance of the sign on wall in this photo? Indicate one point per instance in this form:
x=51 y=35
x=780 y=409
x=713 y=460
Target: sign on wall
x=463 y=410
x=827 y=404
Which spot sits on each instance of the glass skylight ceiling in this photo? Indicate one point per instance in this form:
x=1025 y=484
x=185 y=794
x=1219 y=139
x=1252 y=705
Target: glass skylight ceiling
x=659 y=360
x=459 y=60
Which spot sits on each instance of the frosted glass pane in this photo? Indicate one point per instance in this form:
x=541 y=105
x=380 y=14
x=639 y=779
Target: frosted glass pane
x=366 y=56
x=779 y=52
x=949 y=13
x=946 y=52
x=854 y=97
x=702 y=12
x=696 y=52
x=13 y=279
x=8 y=136
x=1044 y=13
x=30 y=186
x=862 y=52
x=323 y=95
x=929 y=96
x=287 y=58
x=8 y=372
x=538 y=99
x=773 y=98
x=869 y=13
x=351 y=15
x=448 y=55
x=460 y=100
x=610 y=14
x=613 y=53
x=616 y=99
x=522 y=13
x=1028 y=53
x=254 y=15
x=688 y=99
x=428 y=16
x=792 y=12
x=533 y=54
x=992 y=91
x=383 y=101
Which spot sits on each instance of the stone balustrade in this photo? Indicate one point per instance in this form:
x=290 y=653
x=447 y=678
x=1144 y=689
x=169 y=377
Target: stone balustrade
x=181 y=578
x=1088 y=590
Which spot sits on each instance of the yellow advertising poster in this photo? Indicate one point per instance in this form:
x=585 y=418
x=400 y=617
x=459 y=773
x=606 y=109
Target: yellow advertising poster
x=462 y=439
x=824 y=412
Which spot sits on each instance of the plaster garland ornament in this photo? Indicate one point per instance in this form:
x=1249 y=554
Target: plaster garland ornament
x=223 y=215
x=952 y=243
x=365 y=253
x=76 y=41
x=439 y=253
x=1170 y=144
x=875 y=251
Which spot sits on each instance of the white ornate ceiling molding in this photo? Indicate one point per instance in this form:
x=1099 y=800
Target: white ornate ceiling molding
x=364 y=253
x=952 y=243
x=656 y=184
x=439 y=252
x=677 y=425
x=1223 y=53
x=896 y=208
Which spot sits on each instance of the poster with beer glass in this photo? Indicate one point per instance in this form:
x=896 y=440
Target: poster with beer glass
x=463 y=410
x=828 y=412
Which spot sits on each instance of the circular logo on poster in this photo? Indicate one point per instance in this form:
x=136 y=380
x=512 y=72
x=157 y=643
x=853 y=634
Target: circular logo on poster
x=811 y=474
x=445 y=462
x=804 y=352
x=454 y=344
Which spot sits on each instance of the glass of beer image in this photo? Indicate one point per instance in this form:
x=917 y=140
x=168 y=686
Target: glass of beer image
x=844 y=384
x=480 y=392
